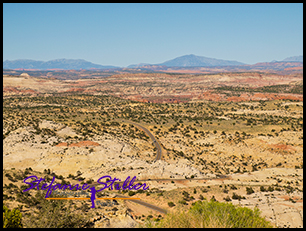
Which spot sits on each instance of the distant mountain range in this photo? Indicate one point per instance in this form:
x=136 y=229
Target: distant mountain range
x=294 y=59
x=191 y=61
x=198 y=61
x=77 y=64
x=66 y=64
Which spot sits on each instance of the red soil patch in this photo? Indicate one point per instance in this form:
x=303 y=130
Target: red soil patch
x=79 y=144
x=16 y=90
x=285 y=197
x=235 y=99
x=295 y=198
x=10 y=89
x=64 y=144
x=292 y=97
x=293 y=68
x=84 y=144
x=283 y=147
x=29 y=91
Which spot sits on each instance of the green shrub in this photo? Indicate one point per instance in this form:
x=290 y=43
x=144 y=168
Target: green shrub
x=11 y=219
x=171 y=204
x=271 y=189
x=55 y=214
x=204 y=214
x=249 y=190
x=201 y=197
x=131 y=193
x=237 y=197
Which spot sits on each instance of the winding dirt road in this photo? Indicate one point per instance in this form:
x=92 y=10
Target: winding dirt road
x=155 y=142
x=158 y=209
x=158 y=157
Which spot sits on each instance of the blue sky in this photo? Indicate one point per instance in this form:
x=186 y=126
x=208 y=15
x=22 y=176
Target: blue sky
x=123 y=34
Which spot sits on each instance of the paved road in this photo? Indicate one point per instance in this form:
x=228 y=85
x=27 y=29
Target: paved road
x=158 y=157
x=155 y=142
x=158 y=209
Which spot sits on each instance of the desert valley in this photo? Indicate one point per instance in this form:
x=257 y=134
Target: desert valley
x=227 y=134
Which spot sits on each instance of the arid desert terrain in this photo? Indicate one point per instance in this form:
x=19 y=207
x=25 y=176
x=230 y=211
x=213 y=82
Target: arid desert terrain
x=233 y=137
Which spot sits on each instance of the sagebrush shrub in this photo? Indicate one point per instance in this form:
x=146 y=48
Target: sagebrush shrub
x=208 y=214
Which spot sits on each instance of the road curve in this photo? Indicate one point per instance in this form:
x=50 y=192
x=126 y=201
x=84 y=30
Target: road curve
x=155 y=142
x=158 y=157
x=158 y=209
